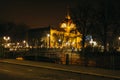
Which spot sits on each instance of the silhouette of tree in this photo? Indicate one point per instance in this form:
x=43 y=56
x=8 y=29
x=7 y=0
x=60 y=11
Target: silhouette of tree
x=101 y=19
x=16 y=32
x=83 y=16
x=107 y=21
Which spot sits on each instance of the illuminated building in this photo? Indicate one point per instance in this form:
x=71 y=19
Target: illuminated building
x=64 y=36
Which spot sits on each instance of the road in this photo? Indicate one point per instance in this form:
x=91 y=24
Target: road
x=19 y=72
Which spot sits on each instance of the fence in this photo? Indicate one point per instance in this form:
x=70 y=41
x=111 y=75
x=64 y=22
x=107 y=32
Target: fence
x=66 y=56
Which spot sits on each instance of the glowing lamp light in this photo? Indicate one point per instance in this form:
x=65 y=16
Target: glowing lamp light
x=59 y=40
x=24 y=41
x=119 y=38
x=6 y=38
x=94 y=43
x=91 y=41
x=48 y=35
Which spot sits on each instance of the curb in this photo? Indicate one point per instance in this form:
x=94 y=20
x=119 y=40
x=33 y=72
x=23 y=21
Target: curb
x=67 y=70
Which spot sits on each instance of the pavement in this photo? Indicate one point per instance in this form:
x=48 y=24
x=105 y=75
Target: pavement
x=115 y=74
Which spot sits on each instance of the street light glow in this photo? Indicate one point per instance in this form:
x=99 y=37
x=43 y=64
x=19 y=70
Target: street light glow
x=6 y=38
x=94 y=43
x=24 y=41
x=59 y=40
x=119 y=38
x=48 y=35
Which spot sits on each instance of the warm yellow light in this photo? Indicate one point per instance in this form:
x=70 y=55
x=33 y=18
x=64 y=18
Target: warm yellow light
x=59 y=40
x=24 y=41
x=8 y=45
x=48 y=35
x=63 y=25
x=6 y=38
x=18 y=43
x=119 y=38
x=73 y=42
x=72 y=25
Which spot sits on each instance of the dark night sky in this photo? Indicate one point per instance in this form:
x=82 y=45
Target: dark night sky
x=34 y=13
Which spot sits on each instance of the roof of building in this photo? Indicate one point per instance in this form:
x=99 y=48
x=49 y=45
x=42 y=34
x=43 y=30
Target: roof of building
x=40 y=29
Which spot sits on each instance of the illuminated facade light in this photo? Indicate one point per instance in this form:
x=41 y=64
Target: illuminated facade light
x=59 y=40
x=63 y=25
x=66 y=35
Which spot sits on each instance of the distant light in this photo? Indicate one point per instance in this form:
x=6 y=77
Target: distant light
x=119 y=38
x=94 y=43
x=91 y=41
x=48 y=35
x=59 y=40
x=24 y=41
x=18 y=43
x=6 y=38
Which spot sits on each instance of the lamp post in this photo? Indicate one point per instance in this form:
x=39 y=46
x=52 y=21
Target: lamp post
x=59 y=42
x=118 y=42
x=6 y=45
x=6 y=39
x=24 y=42
x=48 y=36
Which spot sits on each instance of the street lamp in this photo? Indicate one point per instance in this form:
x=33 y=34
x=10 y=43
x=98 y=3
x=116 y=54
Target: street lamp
x=6 y=44
x=118 y=42
x=119 y=38
x=25 y=43
x=6 y=38
x=48 y=36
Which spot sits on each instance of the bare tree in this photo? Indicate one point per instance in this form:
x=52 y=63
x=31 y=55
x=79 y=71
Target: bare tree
x=16 y=32
x=83 y=16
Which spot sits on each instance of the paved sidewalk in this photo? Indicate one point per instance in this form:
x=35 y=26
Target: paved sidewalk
x=77 y=69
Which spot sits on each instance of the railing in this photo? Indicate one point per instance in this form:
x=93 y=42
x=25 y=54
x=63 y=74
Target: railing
x=66 y=56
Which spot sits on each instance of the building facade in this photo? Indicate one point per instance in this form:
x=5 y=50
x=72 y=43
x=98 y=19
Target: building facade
x=64 y=36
